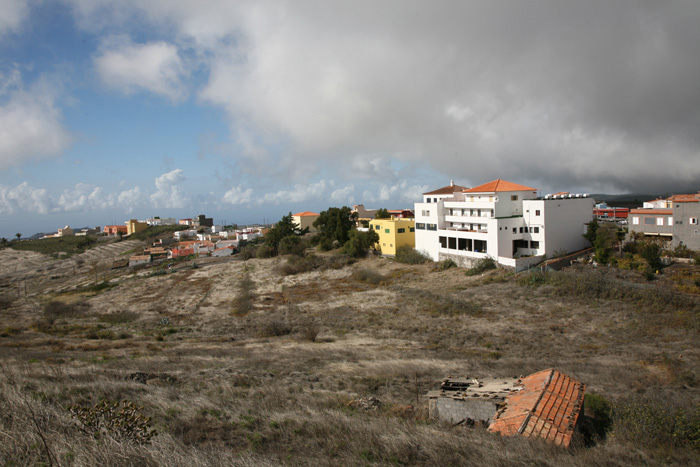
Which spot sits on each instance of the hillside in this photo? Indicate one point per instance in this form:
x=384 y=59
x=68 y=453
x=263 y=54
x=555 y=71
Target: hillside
x=237 y=363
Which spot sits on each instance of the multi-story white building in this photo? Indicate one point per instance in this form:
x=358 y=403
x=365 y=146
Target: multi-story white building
x=501 y=220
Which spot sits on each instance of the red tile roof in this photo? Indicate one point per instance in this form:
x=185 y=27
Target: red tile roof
x=305 y=214
x=447 y=190
x=547 y=406
x=499 y=185
x=694 y=198
x=657 y=211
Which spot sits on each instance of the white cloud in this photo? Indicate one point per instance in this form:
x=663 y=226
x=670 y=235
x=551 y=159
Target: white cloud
x=155 y=67
x=30 y=123
x=82 y=197
x=14 y=12
x=24 y=198
x=130 y=199
x=344 y=195
x=299 y=194
x=238 y=195
x=168 y=193
x=401 y=192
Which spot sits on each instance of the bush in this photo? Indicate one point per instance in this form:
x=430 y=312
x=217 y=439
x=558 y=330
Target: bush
x=446 y=264
x=408 y=255
x=248 y=252
x=368 y=276
x=298 y=264
x=274 y=327
x=310 y=330
x=119 y=317
x=120 y=421
x=264 y=251
x=55 y=309
x=243 y=303
x=482 y=265
x=360 y=243
x=292 y=245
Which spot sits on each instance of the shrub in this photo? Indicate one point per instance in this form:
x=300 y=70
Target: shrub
x=243 y=303
x=482 y=265
x=120 y=421
x=299 y=264
x=119 y=317
x=55 y=309
x=248 y=252
x=264 y=251
x=446 y=264
x=310 y=330
x=274 y=327
x=368 y=276
x=292 y=245
x=406 y=254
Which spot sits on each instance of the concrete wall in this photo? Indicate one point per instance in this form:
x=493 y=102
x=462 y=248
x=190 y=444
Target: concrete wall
x=564 y=222
x=456 y=410
x=687 y=225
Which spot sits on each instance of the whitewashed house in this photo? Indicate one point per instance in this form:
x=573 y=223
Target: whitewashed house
x=501 y=220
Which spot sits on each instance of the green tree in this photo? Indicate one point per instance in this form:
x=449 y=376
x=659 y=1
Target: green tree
x=3 y=240
x=605 y=239
x=18 y=235
x=592 y=231
x=382 y=213
x=286 y=227
x=334 y=225
x=360 y=243
x=651 y=252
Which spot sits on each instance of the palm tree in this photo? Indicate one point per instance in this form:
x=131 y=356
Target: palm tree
x=18 y=235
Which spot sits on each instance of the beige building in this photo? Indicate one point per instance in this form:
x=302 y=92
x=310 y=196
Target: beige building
x=305 y=219
x=394 y=233
x=134 y=226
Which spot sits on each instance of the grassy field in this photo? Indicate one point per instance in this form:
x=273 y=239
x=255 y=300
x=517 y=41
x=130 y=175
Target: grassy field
x=258 y=362
x=60 y=246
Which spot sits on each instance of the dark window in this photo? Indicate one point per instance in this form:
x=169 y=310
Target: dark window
x=387 y=230
x=428 y=199
x=420 y=226
x=521 y=230
x=462 y=244
x=535 y=230
x=432 y=226
x=515 y=230
x=413 y=229
x=452 y=243
x=443 y=242
x=376 y=227
x=402 y=230
x=534 y=245
x=537 y=212
x=514 y=197
x=650 y=220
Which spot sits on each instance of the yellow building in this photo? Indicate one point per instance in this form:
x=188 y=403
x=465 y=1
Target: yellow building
x=134 y=226
x=394 y=233
x=305 y=219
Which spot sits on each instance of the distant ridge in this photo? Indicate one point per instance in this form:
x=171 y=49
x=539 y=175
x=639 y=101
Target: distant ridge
x=627 y=200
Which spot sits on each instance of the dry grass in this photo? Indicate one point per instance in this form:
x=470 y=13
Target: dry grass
x=271 y=384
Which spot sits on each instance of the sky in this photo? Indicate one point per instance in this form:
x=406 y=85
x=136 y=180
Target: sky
x=248 y=110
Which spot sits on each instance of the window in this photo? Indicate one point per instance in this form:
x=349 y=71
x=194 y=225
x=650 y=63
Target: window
x=428 y=199
x=434 y=200
x=514 y=197
x=443 y=242
x=432 y=226
x=534 y=245
x=694 y=221
x=387 y=230
x=412 y=229
x=515 y=230
x=635 y=220
x=452 y=243
x=402 y=230
x=521 y=230
x=537 y=212
x=376 y=227
x=426 y=213
x=650 y=221
x=420 y=226
x=535 y=230
x=490 y=199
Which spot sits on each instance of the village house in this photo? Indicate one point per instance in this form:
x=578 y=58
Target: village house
x=114 y=230
x=393 y=233
x=545 y=405
x=674 y=219
x=137 y=260
x=305 y=219
x=501 y=220
x=161 y=221
x=134 y=226
x=221 y=252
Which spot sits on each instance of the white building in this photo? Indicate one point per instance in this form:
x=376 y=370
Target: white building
x=501 y=220
x=161 y=221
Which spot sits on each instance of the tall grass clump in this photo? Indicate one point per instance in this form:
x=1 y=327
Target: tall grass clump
x=407 y=255
x=243 y=303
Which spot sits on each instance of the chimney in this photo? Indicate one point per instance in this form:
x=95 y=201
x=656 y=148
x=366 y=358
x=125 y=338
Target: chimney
x=452 y=183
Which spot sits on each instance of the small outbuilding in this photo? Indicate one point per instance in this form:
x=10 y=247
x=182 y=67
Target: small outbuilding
x=546 y=405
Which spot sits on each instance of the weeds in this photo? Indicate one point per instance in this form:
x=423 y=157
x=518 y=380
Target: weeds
x=119 y=421
x=482 y=266
x=243 y=303
x=368 y=276
x=408 y=255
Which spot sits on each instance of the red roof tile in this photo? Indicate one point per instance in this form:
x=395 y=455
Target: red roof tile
x=547 y=406
x=447 y=190
x=499 y=185
x=305 y=214
x=657 y=211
